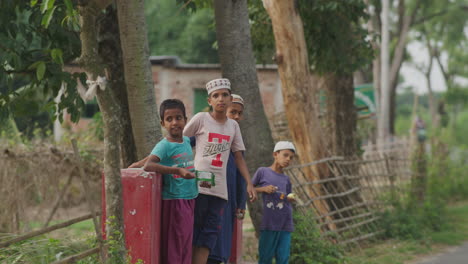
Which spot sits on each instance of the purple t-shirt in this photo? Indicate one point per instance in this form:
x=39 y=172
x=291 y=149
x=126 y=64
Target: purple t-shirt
x=277 y=211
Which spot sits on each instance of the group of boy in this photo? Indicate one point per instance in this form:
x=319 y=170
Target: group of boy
x=198 y=215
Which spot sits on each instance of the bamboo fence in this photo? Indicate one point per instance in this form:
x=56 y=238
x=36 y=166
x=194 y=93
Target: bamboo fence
x=356 y=190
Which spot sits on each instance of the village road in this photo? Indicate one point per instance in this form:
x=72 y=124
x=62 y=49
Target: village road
x=455 y=255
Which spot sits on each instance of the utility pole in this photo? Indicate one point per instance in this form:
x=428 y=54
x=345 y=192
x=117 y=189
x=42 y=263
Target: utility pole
x=383 y=127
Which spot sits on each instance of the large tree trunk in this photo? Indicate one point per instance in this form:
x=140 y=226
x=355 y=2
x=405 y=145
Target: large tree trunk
x=93 y=65
x=238 y=65
x=299 y=88
x=340 y=114
x=111 y=52
x=138 y=76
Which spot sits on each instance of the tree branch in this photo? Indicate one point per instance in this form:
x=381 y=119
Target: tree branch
x=401 y=46
x=440 y=13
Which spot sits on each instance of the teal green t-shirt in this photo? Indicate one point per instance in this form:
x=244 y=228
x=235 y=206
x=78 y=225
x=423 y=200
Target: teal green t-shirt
x=173 y=154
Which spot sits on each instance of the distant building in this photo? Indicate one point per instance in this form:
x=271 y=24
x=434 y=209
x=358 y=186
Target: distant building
x=173 y=79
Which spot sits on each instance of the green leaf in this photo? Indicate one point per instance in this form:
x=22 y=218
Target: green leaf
x=50 y=4
x=33 y=3
x=57 y=55
x=40 y=70
x=69 y=6
x=34 y=65
x=44 y=6
x=48 y=17
x=47 y=5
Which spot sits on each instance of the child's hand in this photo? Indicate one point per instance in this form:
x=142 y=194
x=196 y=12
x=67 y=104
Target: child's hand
x=240 y=213
x=251 y=192
x=270 y=189
x=186 y=174
x=135 y=165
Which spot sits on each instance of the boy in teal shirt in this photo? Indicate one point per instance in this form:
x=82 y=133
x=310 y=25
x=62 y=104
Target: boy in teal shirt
x=173 y=158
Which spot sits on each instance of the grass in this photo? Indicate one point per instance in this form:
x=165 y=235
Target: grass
x=48 y=248
x=405 y=251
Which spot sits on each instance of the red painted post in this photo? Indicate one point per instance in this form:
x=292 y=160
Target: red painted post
x=142 y=214
x=236 y=248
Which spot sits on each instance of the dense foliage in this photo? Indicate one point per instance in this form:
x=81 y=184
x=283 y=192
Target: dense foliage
x=37 y=40
x=175 y=28
x=335 y=38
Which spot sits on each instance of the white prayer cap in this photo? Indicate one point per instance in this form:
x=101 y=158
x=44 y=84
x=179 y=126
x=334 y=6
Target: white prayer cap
x=284 y=145
x=237 y=99
x=217 y=84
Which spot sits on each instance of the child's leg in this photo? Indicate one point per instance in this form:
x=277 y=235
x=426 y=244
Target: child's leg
x=208 y=210
x=200 y=255
x=176 y=246
x=267 y=246
x=283 y=247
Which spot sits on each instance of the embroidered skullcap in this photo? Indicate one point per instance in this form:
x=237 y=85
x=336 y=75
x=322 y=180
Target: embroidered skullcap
x=217 y=84
x=237 y=99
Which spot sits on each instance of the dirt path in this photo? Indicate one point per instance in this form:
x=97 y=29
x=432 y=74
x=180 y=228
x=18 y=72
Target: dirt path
x=452 y=255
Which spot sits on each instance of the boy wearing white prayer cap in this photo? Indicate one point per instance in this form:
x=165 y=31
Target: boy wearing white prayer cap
x=216 y=137
x=277 y=223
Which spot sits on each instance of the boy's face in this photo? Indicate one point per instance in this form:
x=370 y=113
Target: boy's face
x=235 y=111
x=220 y=100
x=283 y=157
x=174 y=122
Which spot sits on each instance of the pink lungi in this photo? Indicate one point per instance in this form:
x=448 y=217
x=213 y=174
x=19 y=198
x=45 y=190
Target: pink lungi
x=177 y=231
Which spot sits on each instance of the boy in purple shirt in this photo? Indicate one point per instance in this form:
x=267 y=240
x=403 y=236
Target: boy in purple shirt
x=277 y=223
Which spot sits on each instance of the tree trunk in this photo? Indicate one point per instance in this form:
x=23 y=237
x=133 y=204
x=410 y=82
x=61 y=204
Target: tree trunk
x=383 y=125
x=111 y=53
x=340 y=114
x=138 y=75
x=374 y=28
x=340 y=133
x=398 y=58
x=431 y=97
x=299 y=88
x=238 y=65
x=93 y=65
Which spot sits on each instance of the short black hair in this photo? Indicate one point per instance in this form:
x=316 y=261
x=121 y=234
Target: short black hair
x=171 y=104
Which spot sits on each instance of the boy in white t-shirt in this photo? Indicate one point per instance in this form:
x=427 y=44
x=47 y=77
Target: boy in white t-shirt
x=216 y=136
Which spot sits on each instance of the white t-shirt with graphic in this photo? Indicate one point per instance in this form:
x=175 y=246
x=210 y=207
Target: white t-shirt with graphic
x=214 y=143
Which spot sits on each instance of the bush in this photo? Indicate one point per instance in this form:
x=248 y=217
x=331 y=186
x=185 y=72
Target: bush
x=447 y=181
x=407 y=221
x=308 y=247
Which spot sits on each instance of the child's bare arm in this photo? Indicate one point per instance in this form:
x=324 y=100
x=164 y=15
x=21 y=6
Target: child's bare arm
x=152 y=164
x=139 y=164
x=240 y=163
x=266 y=189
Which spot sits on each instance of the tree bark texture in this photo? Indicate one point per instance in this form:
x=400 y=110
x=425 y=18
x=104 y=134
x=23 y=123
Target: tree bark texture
x=111 y=52
x=340 y=115
x=138 y=75
x=93 y=65
x=238 y=65
x=299 y=87
x=340 y=130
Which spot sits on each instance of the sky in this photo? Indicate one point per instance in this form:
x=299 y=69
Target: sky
x=413 y=77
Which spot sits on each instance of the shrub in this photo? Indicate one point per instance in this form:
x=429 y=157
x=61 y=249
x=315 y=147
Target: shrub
x=308 y=247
